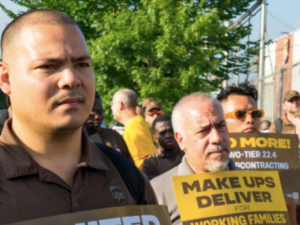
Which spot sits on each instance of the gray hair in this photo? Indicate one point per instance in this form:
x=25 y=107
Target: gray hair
x=128 y=97
x=190 y=100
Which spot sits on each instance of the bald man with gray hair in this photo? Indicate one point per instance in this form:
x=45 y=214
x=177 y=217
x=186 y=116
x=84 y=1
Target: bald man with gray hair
x=128 y=99
x=200 y=130
x=137 y=132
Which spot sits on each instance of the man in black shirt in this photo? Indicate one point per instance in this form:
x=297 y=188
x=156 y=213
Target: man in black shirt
x=168 y=154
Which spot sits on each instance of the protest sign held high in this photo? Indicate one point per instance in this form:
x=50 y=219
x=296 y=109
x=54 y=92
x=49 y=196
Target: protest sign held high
x=231 y=198
x=259 y=151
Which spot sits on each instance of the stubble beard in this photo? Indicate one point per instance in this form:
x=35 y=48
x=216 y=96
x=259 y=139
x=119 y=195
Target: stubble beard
x=220 y=163
x=60 y=131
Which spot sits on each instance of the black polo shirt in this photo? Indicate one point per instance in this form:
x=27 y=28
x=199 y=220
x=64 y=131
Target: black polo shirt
x=159 y=162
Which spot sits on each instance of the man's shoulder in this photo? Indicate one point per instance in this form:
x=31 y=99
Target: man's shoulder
x=138 y=128
x=110 y=132
x=150 y=163
x=164 y=191
x=135 y=180
x=154 y=155
x=272 y=128
x=283 y=125
x=164 y=179
x=138 y=121
x=149 y=160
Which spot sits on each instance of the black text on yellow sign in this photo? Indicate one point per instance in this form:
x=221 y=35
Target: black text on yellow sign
x=232 y=195
x=230 y=183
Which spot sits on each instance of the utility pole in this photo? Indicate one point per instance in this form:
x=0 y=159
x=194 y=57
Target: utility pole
x=285 y=59
x=262 y=52
x=238 y=62
x=225 y=82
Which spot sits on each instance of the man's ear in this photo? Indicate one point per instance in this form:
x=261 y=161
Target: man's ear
x=121 y=106
x=180 y=140
x=4 y=78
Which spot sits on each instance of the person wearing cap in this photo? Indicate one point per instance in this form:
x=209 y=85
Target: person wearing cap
x=152 y=110
x=296 y=122
x=285 y=125
x=145 y=102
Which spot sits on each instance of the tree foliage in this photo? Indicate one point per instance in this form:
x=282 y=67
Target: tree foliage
x=161 y=49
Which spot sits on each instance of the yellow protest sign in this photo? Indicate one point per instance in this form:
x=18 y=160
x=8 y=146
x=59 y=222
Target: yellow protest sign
x=269 y=141
x=126 y=215
x=231 y=198
x=267 y=151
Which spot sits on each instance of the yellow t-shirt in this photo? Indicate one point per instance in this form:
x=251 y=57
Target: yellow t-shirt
x=139 y=140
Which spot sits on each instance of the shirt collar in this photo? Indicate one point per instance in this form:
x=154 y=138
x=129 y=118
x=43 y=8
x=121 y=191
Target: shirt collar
x=286 y=120
x=185 y=169
x=160 y=153
x=92 y=155
x=16 y=162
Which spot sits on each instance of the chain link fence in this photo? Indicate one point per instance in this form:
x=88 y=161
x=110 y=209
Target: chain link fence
x=271 y=91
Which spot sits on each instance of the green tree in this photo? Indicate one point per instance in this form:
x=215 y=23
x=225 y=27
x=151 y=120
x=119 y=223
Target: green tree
x=161 y=49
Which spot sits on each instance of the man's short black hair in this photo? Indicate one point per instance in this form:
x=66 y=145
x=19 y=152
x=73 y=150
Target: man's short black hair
x=160 y=119
x=37 y=16
x=245 y=89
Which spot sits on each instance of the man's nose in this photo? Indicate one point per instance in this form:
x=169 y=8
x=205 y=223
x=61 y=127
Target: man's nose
x=249 y=119
x=97 y=116
x=215 y=136
x=169 y=134
x=69 y=79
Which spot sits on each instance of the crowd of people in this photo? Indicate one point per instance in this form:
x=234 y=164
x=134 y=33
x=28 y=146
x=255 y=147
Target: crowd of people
x=49 y=162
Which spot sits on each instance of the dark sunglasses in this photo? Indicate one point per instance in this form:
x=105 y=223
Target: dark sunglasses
x=241 y=114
